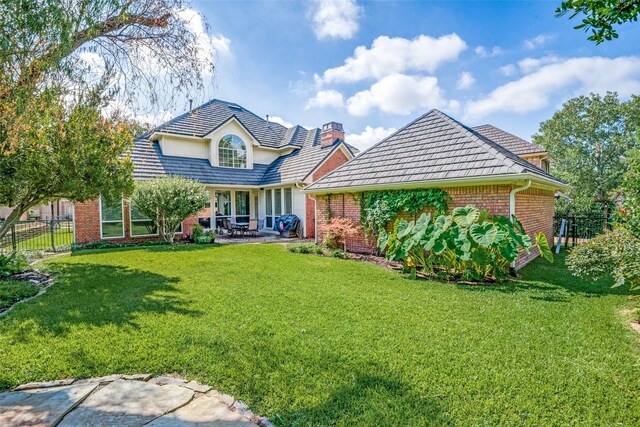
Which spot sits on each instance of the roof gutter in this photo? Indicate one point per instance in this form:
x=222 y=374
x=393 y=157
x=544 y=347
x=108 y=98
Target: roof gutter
x=548 y=183
x=512 y=205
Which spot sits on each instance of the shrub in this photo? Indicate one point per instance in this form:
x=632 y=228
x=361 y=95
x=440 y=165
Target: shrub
x=612 y=254
x=168 y=201
x=305 y=248
x=198 y=235
x=338 y=231
x=13 y=263
x=338 y=253
x=109 y=245
x=467 y=243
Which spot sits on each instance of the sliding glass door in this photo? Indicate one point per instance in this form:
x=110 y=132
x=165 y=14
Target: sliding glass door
x=242 y=206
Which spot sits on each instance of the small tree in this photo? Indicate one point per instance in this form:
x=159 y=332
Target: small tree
x=338 y=231
x=168 y=201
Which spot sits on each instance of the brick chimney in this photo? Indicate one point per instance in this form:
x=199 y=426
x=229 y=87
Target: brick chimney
x=330 y=132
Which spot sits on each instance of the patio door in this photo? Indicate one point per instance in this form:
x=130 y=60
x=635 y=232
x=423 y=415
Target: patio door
x=242 y=206
x=222 y=206
x=269 y=207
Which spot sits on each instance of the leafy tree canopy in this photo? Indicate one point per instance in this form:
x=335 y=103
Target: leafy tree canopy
x=601 y=16
x=64 y=64
x=168 y=201
x=588 y=140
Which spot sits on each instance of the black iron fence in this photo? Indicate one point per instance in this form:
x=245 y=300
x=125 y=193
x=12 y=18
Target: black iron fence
x=579 y=228
x=52 y=235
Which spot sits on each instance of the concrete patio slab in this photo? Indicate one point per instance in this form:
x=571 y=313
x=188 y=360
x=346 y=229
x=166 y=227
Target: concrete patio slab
x=41 y=407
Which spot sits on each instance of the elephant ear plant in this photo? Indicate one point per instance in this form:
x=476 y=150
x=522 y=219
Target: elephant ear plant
x=467 y=244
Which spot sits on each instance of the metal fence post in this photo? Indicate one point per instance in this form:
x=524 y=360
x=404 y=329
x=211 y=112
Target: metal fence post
x=53 y=240
x=13 y=237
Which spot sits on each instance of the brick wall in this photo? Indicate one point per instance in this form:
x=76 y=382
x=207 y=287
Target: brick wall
x=336 y=159
x=534 y=208
x=87 y=225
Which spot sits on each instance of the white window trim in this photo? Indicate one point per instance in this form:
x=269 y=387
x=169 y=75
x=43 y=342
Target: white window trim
x=246 y=150
x=122 y=221
x=131 y=226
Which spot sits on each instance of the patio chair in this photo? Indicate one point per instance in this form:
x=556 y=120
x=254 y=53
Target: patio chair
x=253 y=228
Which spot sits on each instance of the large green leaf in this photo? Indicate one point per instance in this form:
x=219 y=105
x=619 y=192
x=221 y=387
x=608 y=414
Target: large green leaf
x=487 y=234
x=509 y=250
x=466 y=216
x=543 y=246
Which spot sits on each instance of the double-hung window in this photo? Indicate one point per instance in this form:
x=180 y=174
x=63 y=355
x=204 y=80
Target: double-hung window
x=111 y=218
x=140 y=224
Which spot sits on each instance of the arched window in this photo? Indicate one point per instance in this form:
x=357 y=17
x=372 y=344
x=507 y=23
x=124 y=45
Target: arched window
x=232 y=152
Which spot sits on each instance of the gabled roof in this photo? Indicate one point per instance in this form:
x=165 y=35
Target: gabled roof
x=432 y=148
x=509 y=141
x=209 y=116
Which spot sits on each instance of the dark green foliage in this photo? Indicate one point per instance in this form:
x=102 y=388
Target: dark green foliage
x=338 y=253
x=588 y=140
x=12 y=263
x=601 y=16
x=467 y=243
x=379 y=208
x=12 y=291
x=109 y=245
x=305 y=248
x=198 y=235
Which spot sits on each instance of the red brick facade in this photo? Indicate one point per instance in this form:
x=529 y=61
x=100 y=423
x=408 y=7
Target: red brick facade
x=336 y=159
x=534 y=208
x=87 y=225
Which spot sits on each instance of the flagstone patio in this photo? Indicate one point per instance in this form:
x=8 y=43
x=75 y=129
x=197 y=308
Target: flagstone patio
x=124 y=400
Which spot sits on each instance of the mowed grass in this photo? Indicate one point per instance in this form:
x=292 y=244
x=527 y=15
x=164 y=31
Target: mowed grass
x=307 y=340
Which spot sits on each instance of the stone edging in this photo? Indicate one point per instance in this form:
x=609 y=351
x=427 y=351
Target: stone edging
x=39 y=278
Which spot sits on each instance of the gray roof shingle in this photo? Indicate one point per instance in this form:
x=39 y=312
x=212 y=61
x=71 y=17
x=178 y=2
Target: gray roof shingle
x=509 y=141
x=209 y=116
x=432 y=147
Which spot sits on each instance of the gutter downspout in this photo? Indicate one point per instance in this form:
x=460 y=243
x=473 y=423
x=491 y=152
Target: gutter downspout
x=512 y=206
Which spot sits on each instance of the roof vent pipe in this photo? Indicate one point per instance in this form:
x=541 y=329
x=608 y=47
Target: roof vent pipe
x=190 y=105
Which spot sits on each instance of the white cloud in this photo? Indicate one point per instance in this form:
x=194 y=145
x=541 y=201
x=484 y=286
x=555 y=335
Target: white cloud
x=400 y=94
x=368 y=137
x=466 y=80
x=280 y=121
x=508 y=70
x=482 y=51
x=326 y=98
x=570 y=77
x=537 y=41
x=335 y=19
x=208 y=46
x=395 y=55
x=529 y=65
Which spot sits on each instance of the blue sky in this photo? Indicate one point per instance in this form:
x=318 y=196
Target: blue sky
x=511 y=64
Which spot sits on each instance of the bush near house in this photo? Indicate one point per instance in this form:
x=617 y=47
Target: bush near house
x=338 y=231
x=468 y=243
x=168 y=201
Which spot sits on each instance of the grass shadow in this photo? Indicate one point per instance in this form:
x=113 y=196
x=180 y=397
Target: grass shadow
x=98 y=295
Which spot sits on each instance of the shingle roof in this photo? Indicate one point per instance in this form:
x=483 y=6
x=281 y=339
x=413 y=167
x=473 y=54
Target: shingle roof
x=509 y=141
x=204 y=119
x=149 y=162
x=433 y=147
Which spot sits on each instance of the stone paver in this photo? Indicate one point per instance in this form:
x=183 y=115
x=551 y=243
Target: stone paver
x=204 y=410
x=127 y=403
x=123 y=400
x=41 y=407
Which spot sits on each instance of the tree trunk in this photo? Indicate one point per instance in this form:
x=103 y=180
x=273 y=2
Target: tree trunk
x=13 y=217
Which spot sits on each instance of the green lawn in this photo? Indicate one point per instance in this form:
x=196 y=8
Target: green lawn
x=310 y=340
x=61 y=236
x=12 y=291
